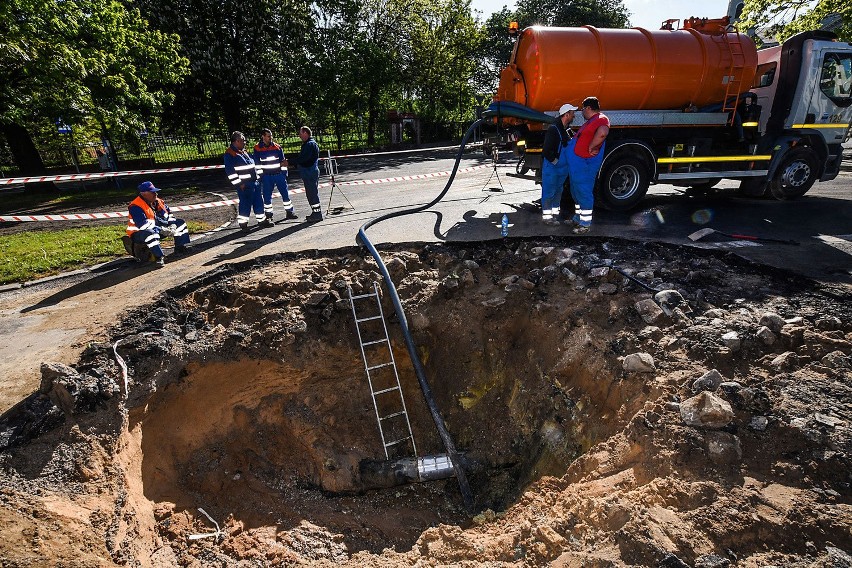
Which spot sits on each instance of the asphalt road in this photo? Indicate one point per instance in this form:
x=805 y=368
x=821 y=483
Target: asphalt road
x=820 y=224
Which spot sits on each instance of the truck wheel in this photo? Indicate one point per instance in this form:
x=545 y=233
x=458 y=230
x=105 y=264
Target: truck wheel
x=623 y=183
x=796 y=174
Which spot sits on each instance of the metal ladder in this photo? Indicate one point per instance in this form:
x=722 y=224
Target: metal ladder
x=393 y=410
x=735 y=73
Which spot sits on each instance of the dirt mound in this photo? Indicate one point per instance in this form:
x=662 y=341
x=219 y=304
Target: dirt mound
x=615 y=405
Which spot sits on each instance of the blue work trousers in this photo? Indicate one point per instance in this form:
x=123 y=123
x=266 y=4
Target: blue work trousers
x=250 y=198
x=270 y=182
x=584 y=173
x=553 y=178
x=310 y=177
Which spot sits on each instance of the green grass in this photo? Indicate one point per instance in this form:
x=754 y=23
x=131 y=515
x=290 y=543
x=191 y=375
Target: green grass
x=36 y=254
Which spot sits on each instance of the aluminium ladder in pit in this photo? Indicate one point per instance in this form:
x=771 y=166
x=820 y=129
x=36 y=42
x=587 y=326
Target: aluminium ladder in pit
x=388 y=390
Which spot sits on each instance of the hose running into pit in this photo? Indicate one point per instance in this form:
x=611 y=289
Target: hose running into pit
x=449 y=446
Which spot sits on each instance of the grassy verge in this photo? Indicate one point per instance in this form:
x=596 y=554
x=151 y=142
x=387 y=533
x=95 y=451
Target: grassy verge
x=36 y=254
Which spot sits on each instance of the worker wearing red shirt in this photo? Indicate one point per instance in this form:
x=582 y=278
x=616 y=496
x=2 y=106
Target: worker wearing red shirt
x=584 y=162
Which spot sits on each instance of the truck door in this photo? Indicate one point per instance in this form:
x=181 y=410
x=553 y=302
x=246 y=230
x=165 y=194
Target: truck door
x=827 y=101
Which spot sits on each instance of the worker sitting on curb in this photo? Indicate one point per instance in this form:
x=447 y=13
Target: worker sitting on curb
x=149 y=219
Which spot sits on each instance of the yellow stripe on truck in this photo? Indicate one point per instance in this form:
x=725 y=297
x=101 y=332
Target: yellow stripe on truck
x=704 y=159
x=826 y=125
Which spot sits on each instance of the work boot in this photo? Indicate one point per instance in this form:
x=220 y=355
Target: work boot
x=314 y=217
x=291 y=214
x=581 y=229
x=551 y=221
x=244 y=227
x=159 y=262
x=268 y=222
x=128 y=244
x=183 y=249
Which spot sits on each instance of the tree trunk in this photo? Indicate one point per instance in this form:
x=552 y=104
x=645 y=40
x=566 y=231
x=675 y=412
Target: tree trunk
x=23 y=149
x=231 y=108
x=372 y=102
x=26 y=155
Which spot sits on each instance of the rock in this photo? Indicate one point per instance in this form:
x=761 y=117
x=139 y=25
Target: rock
x=599 y=272
x=397 y=267
x=449 y=283
x=191 y=336
x=56 y=372
x=525 y=284
x=568 y=274
x=723 y=448
x=706 y=410
x=648 y=310
x=828 y=323
x=669 y=300
x=732 y=341
x=730 y=388
x=827 y=420
x=471 y=265
x=711 y=561
x=837 y=360
x=593 y=295
x=758 y=423
x=467 y=278
x=651 y=332
x=608 y=288
x=316 y=298
x=673 y=406
x=419 y=322
x=793 y=336
x=765 y=335
x=508 y=280
x=639 y=363
x=773 y=321
x=715 y=313
x=785 y=361
x=709 y=381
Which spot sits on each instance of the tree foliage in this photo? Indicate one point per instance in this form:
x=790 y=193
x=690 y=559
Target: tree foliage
x=86 y=61
x=780 y=20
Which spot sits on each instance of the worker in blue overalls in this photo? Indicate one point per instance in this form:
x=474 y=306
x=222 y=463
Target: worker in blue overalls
x=273 y=167
x=243 y=174
x=554 y=170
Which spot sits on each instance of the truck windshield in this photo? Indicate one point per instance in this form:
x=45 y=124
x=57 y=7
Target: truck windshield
x=836 y=79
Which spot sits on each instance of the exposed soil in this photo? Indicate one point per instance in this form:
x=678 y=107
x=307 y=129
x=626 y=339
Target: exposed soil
x=708 y=428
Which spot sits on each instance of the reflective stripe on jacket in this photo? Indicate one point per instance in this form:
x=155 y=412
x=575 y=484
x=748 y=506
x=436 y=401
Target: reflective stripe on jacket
x=239 y=166
x=269 y=158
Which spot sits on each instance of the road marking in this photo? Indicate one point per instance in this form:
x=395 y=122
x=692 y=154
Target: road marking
x=843 y=243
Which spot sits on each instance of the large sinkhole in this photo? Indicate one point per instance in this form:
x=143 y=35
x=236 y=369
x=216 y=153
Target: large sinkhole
x=249 y=396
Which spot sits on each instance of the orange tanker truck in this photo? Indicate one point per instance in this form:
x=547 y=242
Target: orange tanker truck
x=688 y=106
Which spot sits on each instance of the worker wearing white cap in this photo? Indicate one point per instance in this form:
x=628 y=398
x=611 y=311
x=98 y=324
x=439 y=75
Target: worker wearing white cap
x=554 y=169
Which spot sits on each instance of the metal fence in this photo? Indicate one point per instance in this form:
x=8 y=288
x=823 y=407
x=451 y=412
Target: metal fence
x=135 y=150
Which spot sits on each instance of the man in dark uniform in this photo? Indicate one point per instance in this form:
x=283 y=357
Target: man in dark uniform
x=307 y=161
x=554 y=170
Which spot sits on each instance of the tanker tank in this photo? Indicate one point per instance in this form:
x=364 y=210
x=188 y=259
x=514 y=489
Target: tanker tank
x=629 y=69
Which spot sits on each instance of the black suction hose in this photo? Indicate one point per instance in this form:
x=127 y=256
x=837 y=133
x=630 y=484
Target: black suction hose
x=403 y=323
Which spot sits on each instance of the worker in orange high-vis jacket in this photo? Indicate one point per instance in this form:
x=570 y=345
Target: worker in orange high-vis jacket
x=150 y=218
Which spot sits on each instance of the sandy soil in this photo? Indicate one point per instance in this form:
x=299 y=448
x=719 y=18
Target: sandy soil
x=599 y=427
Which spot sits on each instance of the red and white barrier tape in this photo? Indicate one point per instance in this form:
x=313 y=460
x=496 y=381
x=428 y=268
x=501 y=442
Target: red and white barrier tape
x=177 y=208
x=103 y=175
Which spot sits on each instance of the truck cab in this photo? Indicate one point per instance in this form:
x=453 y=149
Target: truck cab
x=805 y=89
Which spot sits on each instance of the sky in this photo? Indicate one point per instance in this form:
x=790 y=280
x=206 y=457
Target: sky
x=644 y=13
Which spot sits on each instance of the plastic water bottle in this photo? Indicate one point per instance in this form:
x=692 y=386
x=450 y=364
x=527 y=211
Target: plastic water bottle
x=504 y=226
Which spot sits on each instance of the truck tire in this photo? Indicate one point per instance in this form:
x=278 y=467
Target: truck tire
x=795 y=175
x=622 y=184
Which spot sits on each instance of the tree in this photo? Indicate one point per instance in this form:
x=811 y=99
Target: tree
x=82 y=60
x=780 y=20
x=438 y=61
x=247 y=59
